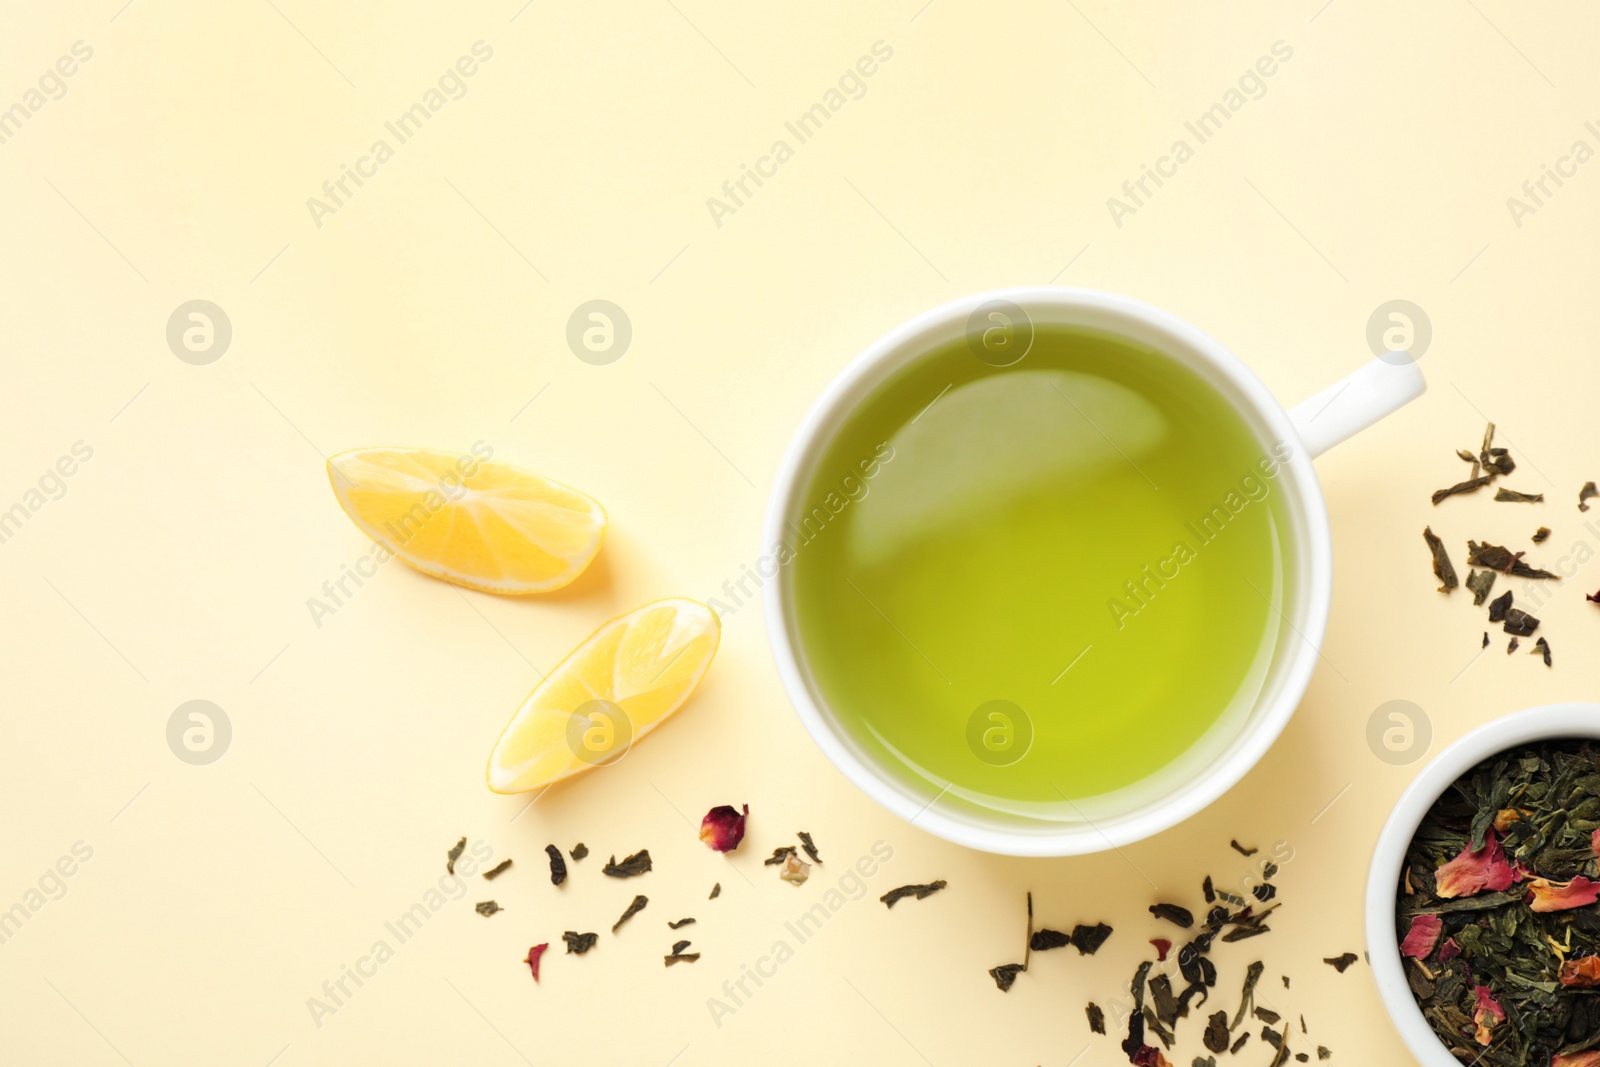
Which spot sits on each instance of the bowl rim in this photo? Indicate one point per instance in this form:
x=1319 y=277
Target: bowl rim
x=1546 y=722
x=1309 y=617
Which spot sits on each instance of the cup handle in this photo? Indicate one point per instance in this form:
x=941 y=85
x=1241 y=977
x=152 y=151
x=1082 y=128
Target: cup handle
x=1351 y=404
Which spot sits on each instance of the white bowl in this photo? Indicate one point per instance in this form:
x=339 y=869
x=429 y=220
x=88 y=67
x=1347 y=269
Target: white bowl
x=1551 y=722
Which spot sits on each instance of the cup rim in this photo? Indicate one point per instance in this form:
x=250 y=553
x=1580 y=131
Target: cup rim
x=1310 y=613
x=1543 y=723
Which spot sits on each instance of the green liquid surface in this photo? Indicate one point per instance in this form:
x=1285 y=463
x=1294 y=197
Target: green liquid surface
x=960 y=577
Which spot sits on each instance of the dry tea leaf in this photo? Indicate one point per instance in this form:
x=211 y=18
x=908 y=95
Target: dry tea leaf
x=810 y=846
x=779 y=855
x=1097 y=1018
x=1588 y=492
x=497 y=870
x=487 y=908
x=453 y=855
x=578 y=944
x=679 y=924
x=1479 y=583
x=1005 y=975
x=1500 y=558
x=1443 y=570
x=1339 y=963
x=1541 y=535
x=1178 y=916
x=636 y=864
x=579 y=851
x=558 y=866
x=1512 y=496
x=1520 y=623
x=894 y=896
x=1471 y=485
x=1542 y=647
x=635 y=908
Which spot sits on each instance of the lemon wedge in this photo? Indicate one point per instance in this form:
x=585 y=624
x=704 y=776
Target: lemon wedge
x=617 y=686
x=464 y=518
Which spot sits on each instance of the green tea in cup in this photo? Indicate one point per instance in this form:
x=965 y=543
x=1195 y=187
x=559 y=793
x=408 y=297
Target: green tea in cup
x=1042 y=588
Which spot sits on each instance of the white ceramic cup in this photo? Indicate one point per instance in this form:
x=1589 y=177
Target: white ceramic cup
x=1553 y=721
x=1309 y=429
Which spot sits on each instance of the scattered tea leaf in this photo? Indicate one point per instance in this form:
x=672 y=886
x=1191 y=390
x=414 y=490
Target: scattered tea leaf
x=1088 y=939
x=1247 y=995
x=723 y=827
x=810 y=846
x=1512 y=646
x=635 y=908
x=1500 y=558
x=1542 y=647
x=1240 y=849
x=679 y=924
x=1174 y=914
x=1486 y=639
x=1494 y=460
x=680 y=956
x=894 y=896
x=532 y=959
x=779 y=855
x=1340 y=962
x=1443 y=570
x=1479 y=582
x=1239 y=1044
x=1471 y=485
x=1541 y=535
x=1264 y=892
x=1217 y=1034
x=579 y=851
x=558 y=866
x=1511 y=496
x=1045 y=940
x=636 y=864
x=578 y=944
x=1027 y=941
x=454 y=854
x=1588 y=492
x=1520 y=623
x=1267 y=1015
x=1207 y=889
x=716 y=891
x=497 y=870
x=487 y=908
x=1499 y=606
x=1097 y=1018
x=1005 y=975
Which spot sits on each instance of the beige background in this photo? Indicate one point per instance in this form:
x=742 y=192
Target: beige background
x=431 y=310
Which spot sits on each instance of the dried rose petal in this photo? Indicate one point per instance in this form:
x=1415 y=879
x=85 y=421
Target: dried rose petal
x=1449 y=950
x=1581 y=974
x=1148 y=1056
x=1589 y=1058
x=533 y=958
x=1545 y=895
x=1488 y=1013
x=723 y=827
x=1473 y=872
x=1423 y=935
x=794 y=870
x=1594 y=842
x=1163 y=946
